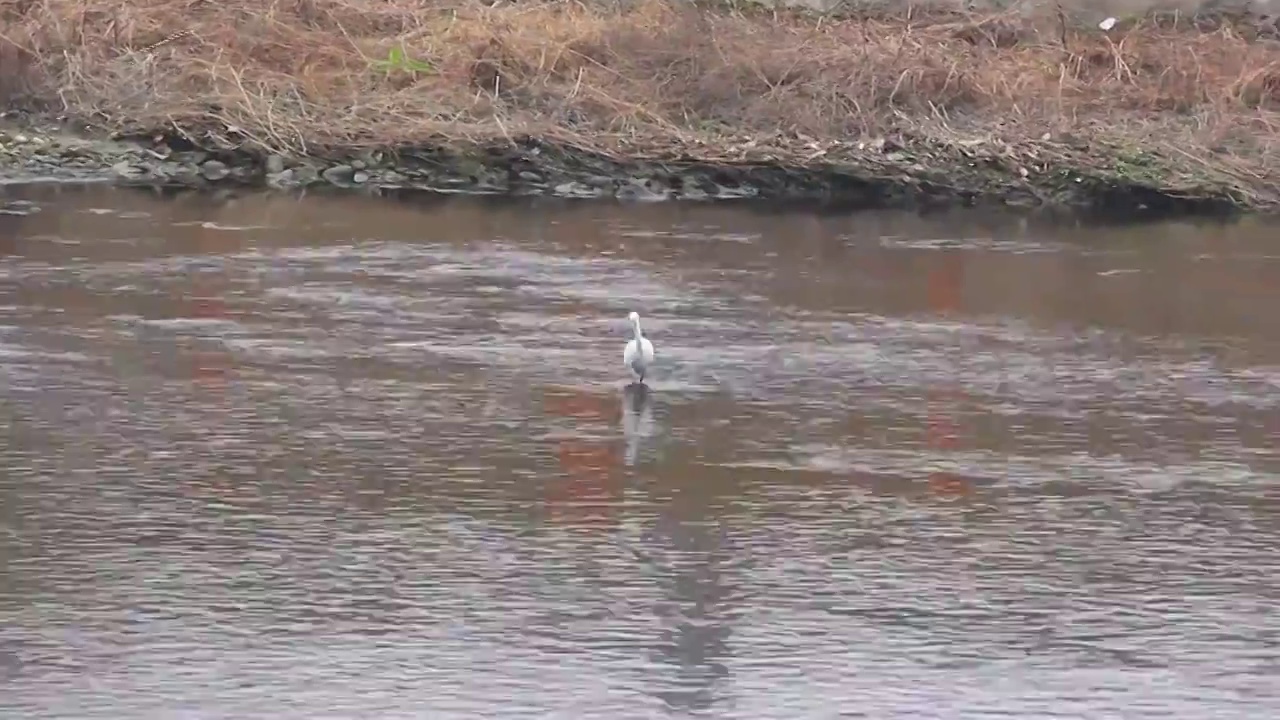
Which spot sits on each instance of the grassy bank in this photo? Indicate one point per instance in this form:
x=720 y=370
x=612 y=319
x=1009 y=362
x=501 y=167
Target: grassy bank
x=886 y=108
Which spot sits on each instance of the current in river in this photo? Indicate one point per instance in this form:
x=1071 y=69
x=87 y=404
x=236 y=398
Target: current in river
x=269 y=456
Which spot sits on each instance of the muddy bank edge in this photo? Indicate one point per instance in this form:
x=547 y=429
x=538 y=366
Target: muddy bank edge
x=898 y=171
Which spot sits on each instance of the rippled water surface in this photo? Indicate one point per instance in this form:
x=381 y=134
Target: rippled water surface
x=356 y=458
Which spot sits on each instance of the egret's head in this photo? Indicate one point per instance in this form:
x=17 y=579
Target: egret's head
x=634 y=317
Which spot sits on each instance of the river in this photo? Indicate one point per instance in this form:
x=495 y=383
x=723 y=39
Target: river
x=346 y=457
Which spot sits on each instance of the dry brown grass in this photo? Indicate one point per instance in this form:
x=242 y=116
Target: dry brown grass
x=293 y=74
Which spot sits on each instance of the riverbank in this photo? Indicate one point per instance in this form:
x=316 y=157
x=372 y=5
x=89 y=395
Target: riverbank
x=648 y=99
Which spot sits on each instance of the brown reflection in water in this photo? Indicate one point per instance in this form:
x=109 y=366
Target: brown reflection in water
x=211 y=364
x=205 y=299
x=945 y=286
x=10 y=226
x=590 y=493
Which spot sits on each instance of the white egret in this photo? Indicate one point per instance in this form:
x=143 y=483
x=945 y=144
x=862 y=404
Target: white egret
x=638 y=354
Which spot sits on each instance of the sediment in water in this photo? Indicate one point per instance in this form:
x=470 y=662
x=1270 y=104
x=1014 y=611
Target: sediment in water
x=650 y=99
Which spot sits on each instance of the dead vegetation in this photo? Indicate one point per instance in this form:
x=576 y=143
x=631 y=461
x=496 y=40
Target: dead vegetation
x=665 y=77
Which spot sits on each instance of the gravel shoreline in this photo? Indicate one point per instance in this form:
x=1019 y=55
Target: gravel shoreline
x=885 y=175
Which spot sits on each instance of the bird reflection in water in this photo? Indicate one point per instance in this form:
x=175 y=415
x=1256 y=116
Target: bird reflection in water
x=637 y=419
x=591 y=491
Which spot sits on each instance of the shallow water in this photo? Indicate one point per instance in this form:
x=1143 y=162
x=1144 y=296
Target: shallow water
x=349 y=458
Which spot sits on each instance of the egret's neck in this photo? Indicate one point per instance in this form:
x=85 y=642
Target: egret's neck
x=635 y=329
